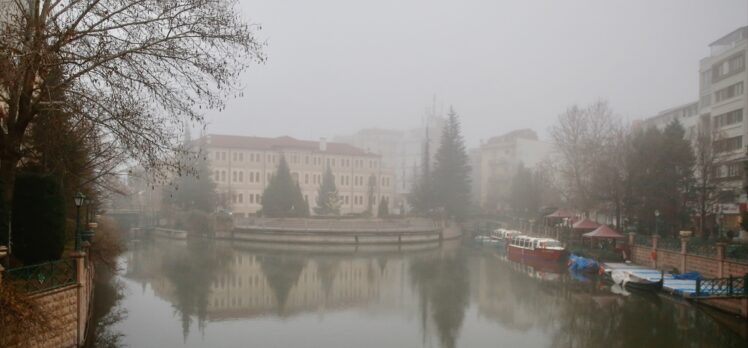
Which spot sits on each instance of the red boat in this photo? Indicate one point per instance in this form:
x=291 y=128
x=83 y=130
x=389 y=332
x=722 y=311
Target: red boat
x=545 y=249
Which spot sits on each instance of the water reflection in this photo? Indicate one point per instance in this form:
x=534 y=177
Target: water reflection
x=441 y=296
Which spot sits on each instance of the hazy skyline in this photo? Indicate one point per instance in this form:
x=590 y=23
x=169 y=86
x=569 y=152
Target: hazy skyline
x=338 y=66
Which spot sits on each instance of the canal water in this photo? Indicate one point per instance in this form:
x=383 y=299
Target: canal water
x=218 y=294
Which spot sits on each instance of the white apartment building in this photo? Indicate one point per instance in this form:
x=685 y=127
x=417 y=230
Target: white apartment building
x=500 y=158
x=401 y=150
x=722 y=100
x=686 y=114
x=242 y=167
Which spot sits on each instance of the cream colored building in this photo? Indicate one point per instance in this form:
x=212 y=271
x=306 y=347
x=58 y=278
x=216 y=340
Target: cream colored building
x=242 y=167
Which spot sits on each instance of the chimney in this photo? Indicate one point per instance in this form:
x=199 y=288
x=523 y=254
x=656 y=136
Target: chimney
x=322 y=144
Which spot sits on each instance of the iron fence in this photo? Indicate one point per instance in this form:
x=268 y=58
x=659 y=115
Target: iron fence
x=730 y=286
x=672 y=244
x=643 y=240
x=43 y=276
x=736 y=252
x=702 y=249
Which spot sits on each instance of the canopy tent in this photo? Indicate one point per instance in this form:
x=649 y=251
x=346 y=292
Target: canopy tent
x=561 y=213
x=603 y=232
x=585 y=224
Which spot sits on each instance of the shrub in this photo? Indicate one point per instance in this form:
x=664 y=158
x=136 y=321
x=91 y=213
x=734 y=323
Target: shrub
x=38 y=218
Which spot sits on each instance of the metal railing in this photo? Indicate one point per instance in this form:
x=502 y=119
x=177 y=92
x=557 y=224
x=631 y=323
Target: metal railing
x=643 y=239
x=701 y=248
x=730 y=286
x=43 y=276
x=672 y=244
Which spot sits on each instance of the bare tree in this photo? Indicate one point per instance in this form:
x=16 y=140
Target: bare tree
x=610 y=173
x=580 y=135
x=133 y=69
x=705 y=166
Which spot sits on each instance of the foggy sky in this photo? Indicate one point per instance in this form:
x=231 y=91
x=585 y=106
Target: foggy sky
x=335 y=66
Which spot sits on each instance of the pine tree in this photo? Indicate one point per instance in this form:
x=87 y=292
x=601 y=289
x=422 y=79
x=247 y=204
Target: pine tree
x=451 y=181
x=282 y=196
x=194 y=190
x=300 y=205
x=383 y=210
x=328 y=202
x=421 y=197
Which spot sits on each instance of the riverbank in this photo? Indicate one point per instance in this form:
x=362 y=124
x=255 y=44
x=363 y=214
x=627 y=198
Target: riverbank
x=342 y=231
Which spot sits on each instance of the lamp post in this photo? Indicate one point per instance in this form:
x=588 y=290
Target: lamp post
x=78 y=198
x=657 y=218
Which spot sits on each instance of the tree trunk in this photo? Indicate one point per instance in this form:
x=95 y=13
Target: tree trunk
x=7 y=184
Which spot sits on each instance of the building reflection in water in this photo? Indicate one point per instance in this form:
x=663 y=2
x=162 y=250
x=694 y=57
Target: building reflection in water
x=219 y=281
x=457 y=296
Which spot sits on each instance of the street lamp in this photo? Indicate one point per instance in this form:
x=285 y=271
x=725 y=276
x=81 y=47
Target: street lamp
x=78 y=199
x=657 y=218
x=88 y=233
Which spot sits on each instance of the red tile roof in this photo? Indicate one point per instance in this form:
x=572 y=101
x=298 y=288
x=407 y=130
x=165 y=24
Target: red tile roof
x=585 y=224
x=603 y=232
x=282 y=143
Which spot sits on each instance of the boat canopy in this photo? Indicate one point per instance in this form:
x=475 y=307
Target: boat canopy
x=603 y=232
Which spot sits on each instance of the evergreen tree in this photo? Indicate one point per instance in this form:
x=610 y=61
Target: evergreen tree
x=282 y=197
x=452 y=170
x=383 y=210
x=328 y=202
x=421 y=197
x=371 y=194
x=300 y=205
x=195 y=190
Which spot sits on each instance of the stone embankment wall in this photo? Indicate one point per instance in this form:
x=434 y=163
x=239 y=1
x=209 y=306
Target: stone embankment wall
x=715 y=266
x=68 y=309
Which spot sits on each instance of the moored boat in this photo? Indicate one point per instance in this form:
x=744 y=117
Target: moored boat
x=502 y=236
x=546 y=249
x=632 y=282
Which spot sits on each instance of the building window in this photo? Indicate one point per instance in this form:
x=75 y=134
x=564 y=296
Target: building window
x=728 y=67
x=241 y=198
x=729 y=92
x=306 y=178
x=730 y=118
x=223 y=175
x=729 y=144
x=734 y=170
x=241 y=176
x=251 y=198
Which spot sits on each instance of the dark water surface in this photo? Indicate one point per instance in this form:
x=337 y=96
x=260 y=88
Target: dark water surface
x=218 y=294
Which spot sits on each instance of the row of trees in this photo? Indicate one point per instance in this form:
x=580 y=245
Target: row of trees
x=646 y=178
x=447 y=186
x=283 y=197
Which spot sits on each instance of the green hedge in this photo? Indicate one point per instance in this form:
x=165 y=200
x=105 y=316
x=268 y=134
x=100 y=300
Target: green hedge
x=38 y=219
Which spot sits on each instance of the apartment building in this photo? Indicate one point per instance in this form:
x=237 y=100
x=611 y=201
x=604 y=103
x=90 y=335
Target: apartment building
x=723 y=102
x=687 y=114
x=242 y=167
x=401 y=150
x=500 y=158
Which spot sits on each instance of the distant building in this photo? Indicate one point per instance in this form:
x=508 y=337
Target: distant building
x=687 y=115
x=500 y=158
x=242 y=166
x=401 y=150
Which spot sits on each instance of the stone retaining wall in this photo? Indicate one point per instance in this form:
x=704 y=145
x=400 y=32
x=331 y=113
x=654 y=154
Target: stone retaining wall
x=68 y=308
x=709 y=266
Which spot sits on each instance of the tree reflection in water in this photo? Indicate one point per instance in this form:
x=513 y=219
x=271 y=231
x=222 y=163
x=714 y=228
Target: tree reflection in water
x=443 y=286
x=371 y=294
x=191 y=271
x=282 y=272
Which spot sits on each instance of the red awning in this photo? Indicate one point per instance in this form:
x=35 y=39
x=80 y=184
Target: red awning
x=603 y=232
x=585 y=224
x=561 y=213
